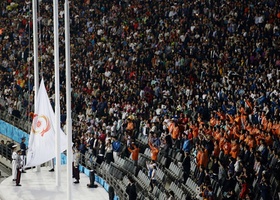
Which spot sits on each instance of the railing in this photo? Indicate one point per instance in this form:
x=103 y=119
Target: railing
x=22 y=124
x=6 y=152
x=90 y=163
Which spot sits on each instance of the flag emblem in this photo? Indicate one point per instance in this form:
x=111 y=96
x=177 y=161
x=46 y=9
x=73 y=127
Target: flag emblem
x=40 y=124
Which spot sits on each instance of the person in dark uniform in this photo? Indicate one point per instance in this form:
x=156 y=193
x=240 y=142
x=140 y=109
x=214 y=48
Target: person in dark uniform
x=19 y=167
x=23 y=149
x=186 y=166
x=131 y=189
x=95 y=145
x=111 y=193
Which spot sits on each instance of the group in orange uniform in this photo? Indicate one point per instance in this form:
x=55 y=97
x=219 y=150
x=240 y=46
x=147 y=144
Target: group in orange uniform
x=228 y=132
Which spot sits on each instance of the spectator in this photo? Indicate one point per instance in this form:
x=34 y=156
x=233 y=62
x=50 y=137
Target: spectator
x=116 y=145
x=186 y=164
x=95 y=142
x=244 y=190
x=186 y=143
x=152 y=171
x=209 y=62
x=264 y=188
x=131 y=189
x=100 y=152
x=134 y=150
x=108 y=151
x=154 y=151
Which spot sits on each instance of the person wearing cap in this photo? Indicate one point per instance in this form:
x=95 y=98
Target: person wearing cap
x=14 y=164
x=23 y=151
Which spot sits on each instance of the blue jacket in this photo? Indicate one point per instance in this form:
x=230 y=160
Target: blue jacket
x=187 y=146
x=116 y=146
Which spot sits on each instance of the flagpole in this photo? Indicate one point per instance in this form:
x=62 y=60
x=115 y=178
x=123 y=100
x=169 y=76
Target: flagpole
x=57 y=93
x=35 y=56
x=68 y=102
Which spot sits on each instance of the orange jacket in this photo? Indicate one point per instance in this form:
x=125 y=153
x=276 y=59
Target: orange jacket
x=199 y=158
x=171 y=127
x=221 y=115
x=264 y=123
x=234 y=150
x=216 y=151
x=204 y=158
x=269 y=126
x=134 y=152
x=154 y=152
x=175 y=133
x=194 y=131
x=227 y=148
x=249 y=105
x=222 y=142
x=251 y=143
x=276 y=129
x=212 y=122
x=231 y=119
x=268 y=140
x=130 y=126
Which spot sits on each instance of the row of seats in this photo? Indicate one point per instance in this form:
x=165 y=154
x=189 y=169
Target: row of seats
x=126 y=164
x=174 y=171
x=142 y=160
x=119 y=186
x=115 y=171
x=159 y=193
x=142 y=139
x=143 y=180
x=191 y=188
x=179 y=193
x=160 y=176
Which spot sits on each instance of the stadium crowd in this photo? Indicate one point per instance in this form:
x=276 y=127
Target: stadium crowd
x=198 y=76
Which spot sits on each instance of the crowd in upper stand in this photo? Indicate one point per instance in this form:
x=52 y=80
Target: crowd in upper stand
x=205 y=72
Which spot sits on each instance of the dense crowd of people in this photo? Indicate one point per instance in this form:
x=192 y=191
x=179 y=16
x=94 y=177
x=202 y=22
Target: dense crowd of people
x=205 y=73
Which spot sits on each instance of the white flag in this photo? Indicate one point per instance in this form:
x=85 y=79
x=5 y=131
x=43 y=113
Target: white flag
x=41 y=146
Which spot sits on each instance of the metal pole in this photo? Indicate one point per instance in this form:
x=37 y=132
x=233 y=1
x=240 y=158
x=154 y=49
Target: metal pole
x=68 y=101
x=35 y=56
x=57 y=92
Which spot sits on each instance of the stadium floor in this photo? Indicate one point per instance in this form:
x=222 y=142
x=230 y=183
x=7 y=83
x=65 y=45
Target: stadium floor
x=42 y=185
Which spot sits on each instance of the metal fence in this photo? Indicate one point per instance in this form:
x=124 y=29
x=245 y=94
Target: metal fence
x=6 y=152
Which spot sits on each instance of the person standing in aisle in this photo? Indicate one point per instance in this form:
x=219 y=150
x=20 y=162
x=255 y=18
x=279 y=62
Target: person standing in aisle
x=131 y=189
x=14 y=163
x=19 y=167
x=186 y=166
x=23 y=149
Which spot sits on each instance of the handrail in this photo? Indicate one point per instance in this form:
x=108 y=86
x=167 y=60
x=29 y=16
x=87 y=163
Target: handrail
x=6 y=152
x=107 y=177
